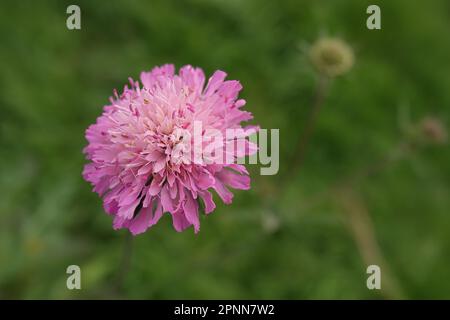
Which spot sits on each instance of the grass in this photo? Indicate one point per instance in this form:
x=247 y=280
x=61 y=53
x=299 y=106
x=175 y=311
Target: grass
x=53 y=83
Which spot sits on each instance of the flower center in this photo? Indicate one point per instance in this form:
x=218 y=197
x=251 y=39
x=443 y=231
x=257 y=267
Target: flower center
x=178 y=146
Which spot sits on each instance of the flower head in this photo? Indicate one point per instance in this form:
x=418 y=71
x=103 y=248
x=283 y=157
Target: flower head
x=163 y=145
x=331 y=56
x=433 y=130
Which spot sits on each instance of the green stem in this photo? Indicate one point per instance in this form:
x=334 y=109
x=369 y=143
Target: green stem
x=125 y=260
x=300 y=149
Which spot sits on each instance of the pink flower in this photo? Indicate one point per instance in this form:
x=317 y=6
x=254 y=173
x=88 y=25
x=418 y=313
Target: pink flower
x=161 y=147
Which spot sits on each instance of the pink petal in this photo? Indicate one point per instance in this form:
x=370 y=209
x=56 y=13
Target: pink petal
x=208 y=200
x=166 y=200
x=191 y=211
x=214 y=82
x=142 y=221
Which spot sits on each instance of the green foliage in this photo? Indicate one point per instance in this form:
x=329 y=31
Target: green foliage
x=54 y=82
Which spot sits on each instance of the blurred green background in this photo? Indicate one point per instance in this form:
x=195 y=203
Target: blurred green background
x=301 y=234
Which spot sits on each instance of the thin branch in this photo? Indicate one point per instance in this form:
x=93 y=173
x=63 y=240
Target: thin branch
x=125 y=260
x=319 y=99
x=360 y=224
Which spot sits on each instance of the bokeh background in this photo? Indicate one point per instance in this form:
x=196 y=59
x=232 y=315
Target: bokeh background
x=301 y=234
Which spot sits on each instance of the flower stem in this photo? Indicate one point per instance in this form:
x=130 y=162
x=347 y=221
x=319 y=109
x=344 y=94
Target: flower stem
x=125 y=260
x=359 y=222
x=404 y=149
x=319 y=99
